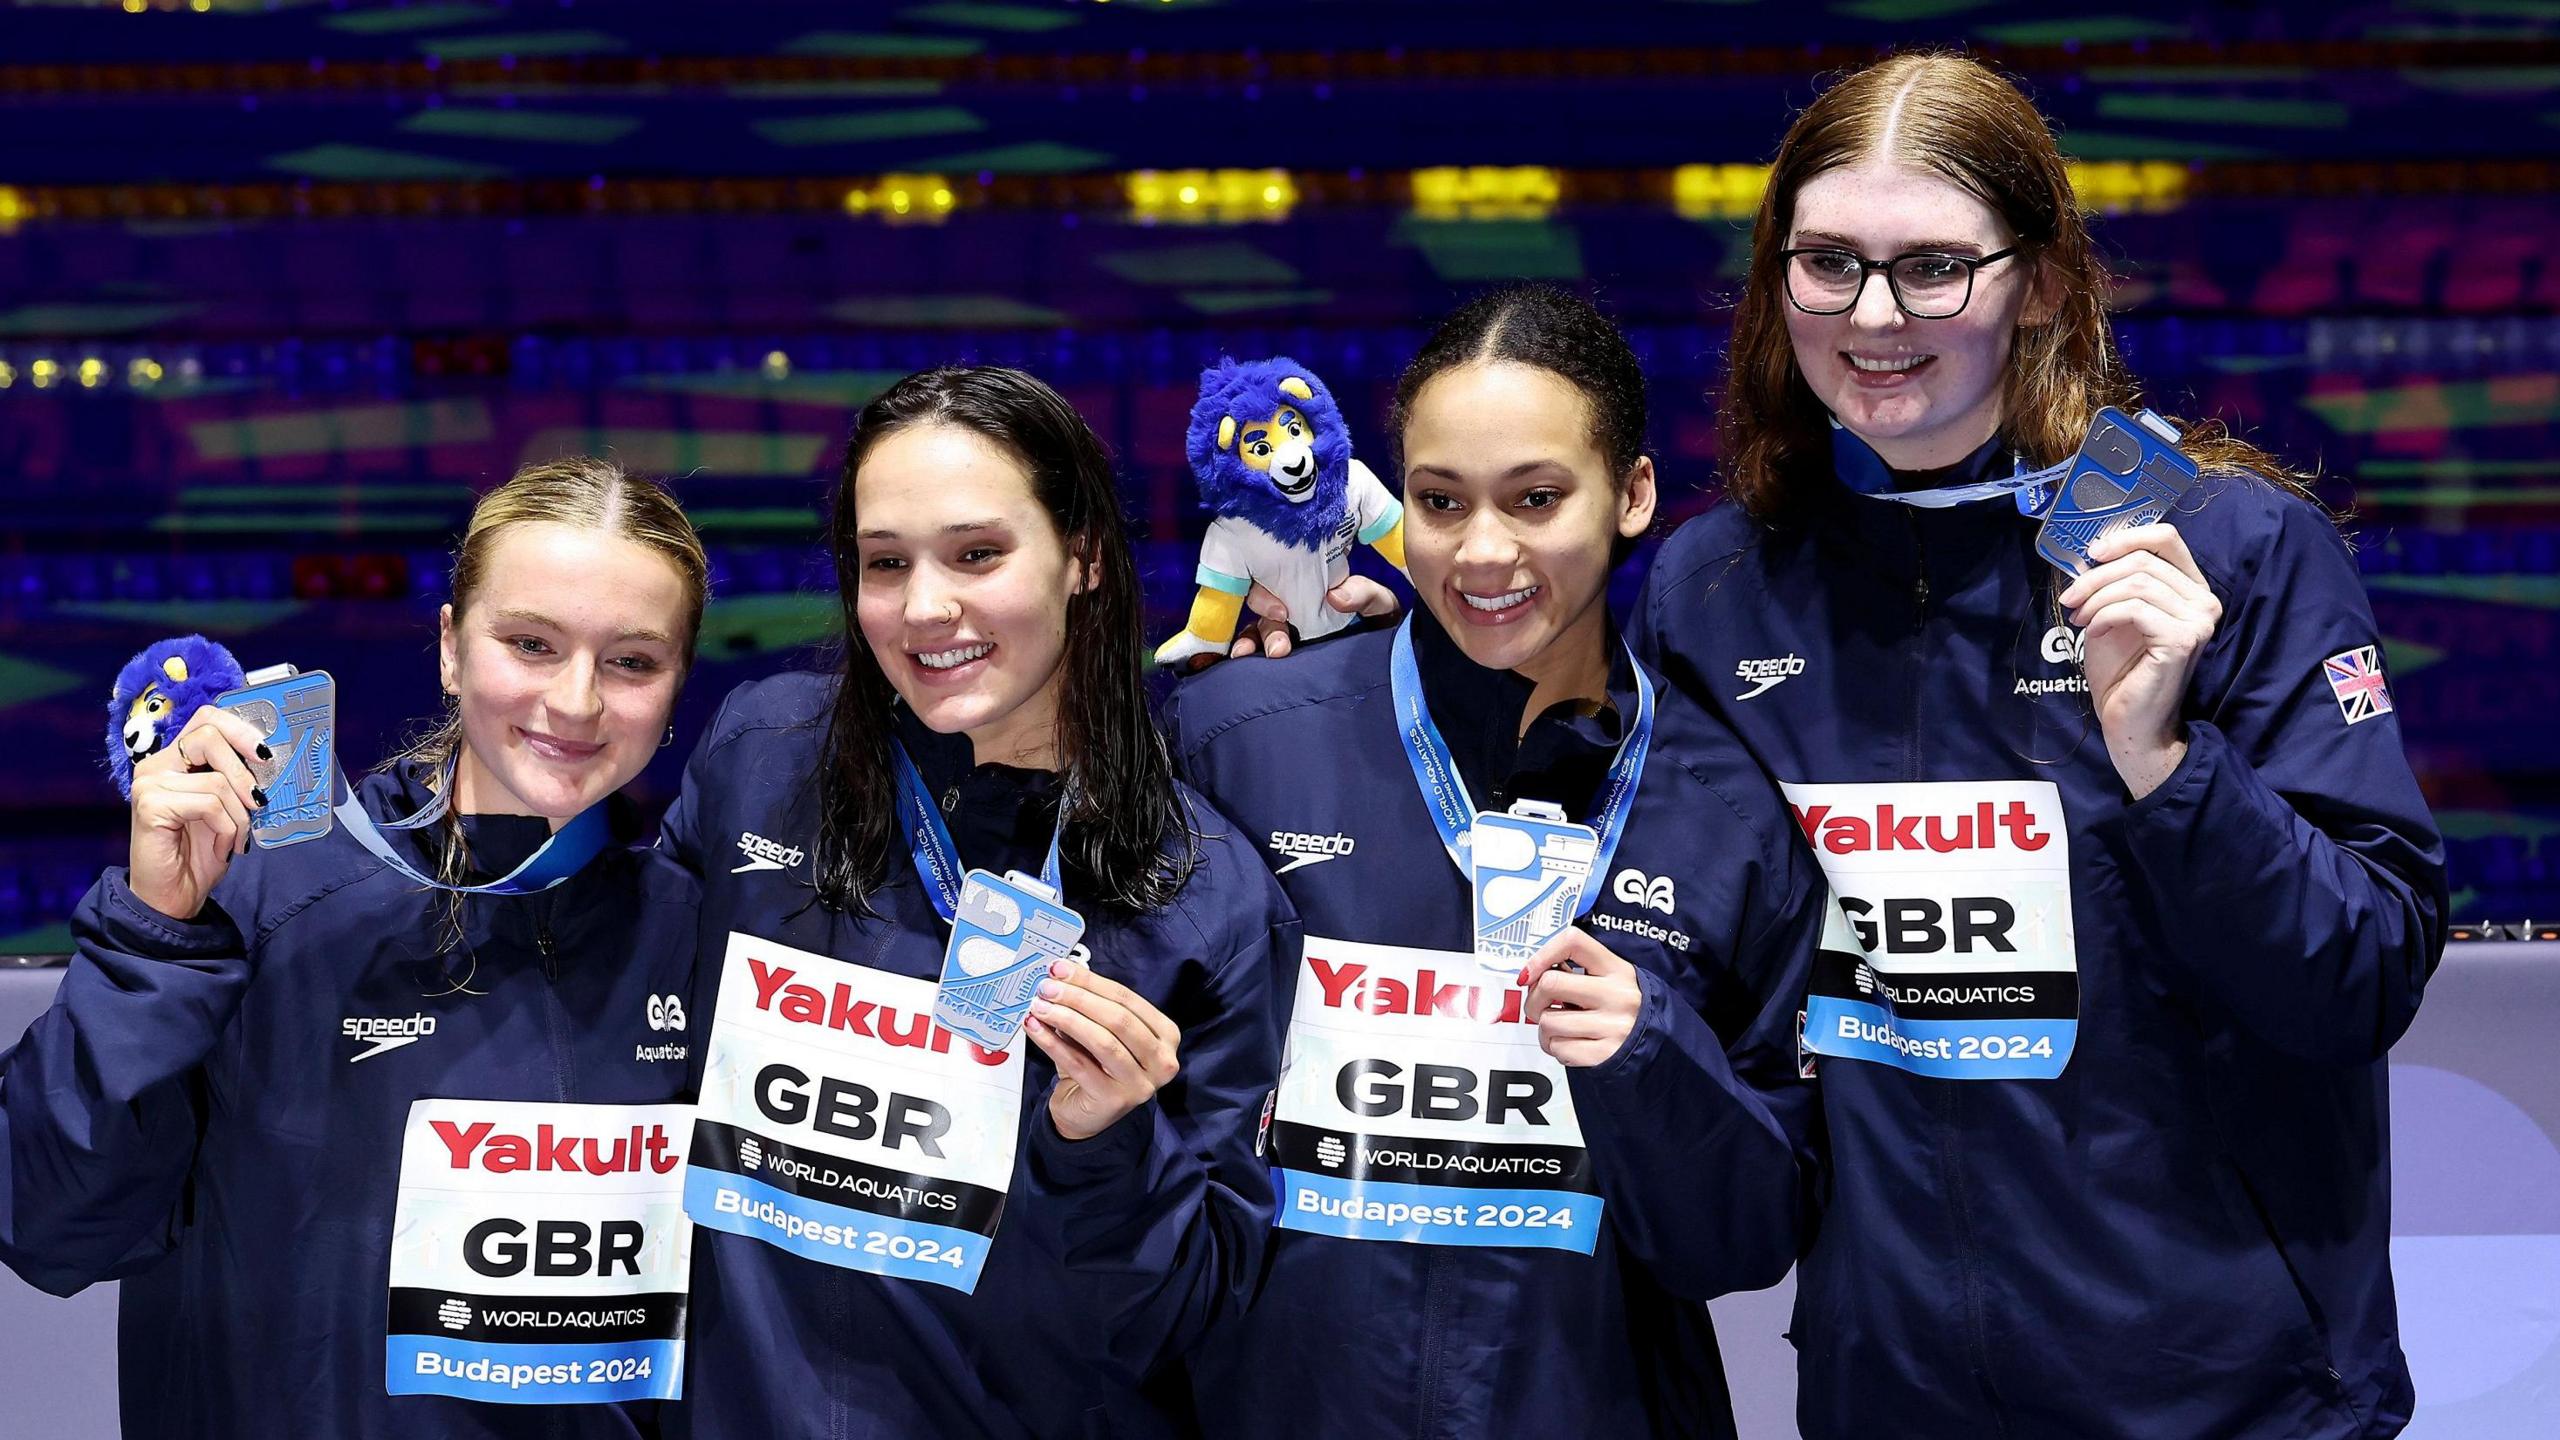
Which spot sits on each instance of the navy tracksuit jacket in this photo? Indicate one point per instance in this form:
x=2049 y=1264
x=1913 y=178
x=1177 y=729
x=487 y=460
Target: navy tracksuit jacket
x=1112 y=1253
x=1691 y=1128
x=2185 y=1232
x=196 y=1115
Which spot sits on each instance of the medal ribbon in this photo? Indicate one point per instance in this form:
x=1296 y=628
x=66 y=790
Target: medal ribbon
x=1444 y=791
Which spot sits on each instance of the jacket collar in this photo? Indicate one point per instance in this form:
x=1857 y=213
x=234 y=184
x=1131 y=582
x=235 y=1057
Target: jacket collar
x=1565 y=750
x=1000 y=816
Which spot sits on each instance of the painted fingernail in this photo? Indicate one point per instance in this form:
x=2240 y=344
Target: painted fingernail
x=1061 y=969
x=1051 y=989
x=257 y=795
x=264 y=753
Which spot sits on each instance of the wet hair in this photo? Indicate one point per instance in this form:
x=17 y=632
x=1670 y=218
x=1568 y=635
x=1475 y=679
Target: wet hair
x=1558 y=332
x=1123 y=816
x=1964 y=122
x=583 y=493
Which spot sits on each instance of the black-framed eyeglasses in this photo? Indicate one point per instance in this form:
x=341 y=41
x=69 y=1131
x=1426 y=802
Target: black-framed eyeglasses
x=1928 y=285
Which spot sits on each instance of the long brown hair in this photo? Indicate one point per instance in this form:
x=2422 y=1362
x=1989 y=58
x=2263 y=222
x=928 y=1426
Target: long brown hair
x=1127 y=831
x=585 y=493
x=1963 y=121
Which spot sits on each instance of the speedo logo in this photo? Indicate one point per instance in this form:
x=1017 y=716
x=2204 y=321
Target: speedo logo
x=380 y=1033
x=1766 y=675
x=763 y=854
x=1304 y=849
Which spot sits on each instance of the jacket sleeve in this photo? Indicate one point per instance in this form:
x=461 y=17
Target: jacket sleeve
x=1166 y=1213
x=99 y=1098
x=2289 y=866
x=1700 y=1128
x=680 y=828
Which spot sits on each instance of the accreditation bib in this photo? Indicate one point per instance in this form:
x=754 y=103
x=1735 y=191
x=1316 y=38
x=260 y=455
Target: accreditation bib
x=1951 y=951
x=840 y=1123
x=539 y=1253
x=1416 y=1106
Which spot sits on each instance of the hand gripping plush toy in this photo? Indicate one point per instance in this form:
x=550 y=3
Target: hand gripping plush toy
x=157 y=692
x=1273 y=459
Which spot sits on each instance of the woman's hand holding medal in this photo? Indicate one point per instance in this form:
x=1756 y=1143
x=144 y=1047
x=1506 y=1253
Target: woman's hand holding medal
x=1583 y=996
x=1113 y=1050
x=191 y=807
x=2146 y=614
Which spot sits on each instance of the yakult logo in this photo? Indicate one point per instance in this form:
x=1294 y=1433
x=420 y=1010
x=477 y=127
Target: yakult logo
x=482 y=1144
x=1348 y=985
x=779 y=993
x=1981 y=826
x=1633 y=888
x=1766 y=675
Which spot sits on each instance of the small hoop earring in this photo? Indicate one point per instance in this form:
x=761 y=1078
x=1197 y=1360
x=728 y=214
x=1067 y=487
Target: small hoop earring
x=667 y=739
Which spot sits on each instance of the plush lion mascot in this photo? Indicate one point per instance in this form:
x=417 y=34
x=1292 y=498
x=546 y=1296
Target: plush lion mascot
x=156 y=693
x=1273 y=459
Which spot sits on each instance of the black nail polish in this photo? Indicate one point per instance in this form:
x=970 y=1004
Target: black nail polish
x=257 y=796
x=264 y=753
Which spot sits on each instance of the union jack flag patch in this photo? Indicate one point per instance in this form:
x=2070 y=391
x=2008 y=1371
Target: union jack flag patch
x=2355 y=677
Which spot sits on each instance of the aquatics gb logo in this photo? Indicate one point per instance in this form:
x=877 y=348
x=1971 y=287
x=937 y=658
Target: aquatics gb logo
x=1633 y=887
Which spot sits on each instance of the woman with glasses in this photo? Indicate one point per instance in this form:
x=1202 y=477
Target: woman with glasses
x=2139 y=884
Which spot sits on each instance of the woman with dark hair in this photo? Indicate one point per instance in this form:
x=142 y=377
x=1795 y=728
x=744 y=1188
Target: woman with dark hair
x=231 y=1105
x=1515 y=1156
x=913 y=1227
x=2143 y=888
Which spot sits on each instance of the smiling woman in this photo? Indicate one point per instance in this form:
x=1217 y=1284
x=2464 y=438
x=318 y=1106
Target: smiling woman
x=2212 y=862
x=231 y=1105
x=1099 y=1201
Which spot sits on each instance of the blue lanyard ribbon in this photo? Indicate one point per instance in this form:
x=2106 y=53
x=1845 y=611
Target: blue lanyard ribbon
x=1444 y=791
x=1864 y=471
x=563 y=855
x=937 y=860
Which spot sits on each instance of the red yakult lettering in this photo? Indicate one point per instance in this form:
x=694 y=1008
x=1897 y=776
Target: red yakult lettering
x=547 y=1149
x=1982 y=827
x=1348 y=985
x=776 y=993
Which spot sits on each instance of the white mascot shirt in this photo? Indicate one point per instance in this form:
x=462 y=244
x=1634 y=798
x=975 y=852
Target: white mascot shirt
x=1235 y=554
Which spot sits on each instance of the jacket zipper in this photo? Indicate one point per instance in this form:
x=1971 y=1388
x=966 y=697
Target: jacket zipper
x=1919 y=637
x=1426 y=1423
x=561 y=1062
x=1950 y=1093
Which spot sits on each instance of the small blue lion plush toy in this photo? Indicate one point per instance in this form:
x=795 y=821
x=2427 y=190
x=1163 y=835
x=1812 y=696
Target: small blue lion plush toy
x=156 y=693
x=1273 y=459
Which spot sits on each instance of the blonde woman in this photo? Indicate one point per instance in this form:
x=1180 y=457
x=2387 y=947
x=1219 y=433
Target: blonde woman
x=215 y=1108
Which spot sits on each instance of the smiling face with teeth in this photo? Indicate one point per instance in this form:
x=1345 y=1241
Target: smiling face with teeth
x=964 y=588
x=1922 y=393
x=1512 y=520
